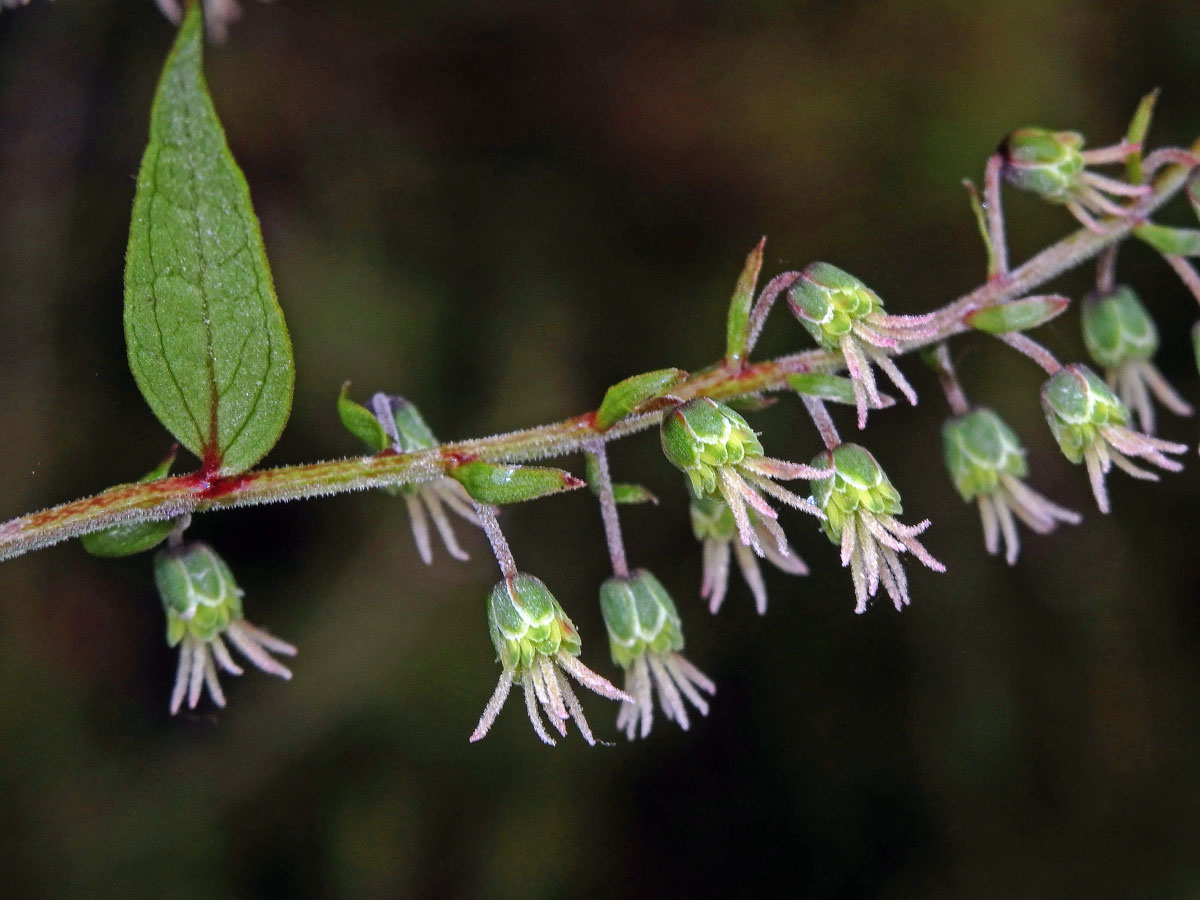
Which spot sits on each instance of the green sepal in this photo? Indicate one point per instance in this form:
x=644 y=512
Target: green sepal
x=627 y=395
x=640 y=617
x=411 y=431
x=206 y=338
x=494 y=484
x=978 y=447
x=702 y=436
x=198 y=592
x=1077 y=403
x=858 y=482
x=1136 y=134
x=525 y=621
x=1018 y=315
x=622 y=493
x=1044 y=162
x=828 y=301
x=361 y=422
x=133 y=537
x=737 y=327
x=1170 y=241
x=834 y=388
x=1117 y=328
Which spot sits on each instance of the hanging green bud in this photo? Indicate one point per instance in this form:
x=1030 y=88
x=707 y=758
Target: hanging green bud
x=203 y=604
x=640 y=616
x=828 y=300
x=702 y=436
x=1018 y=315
x=134 y=537
x=979 y=447
x=858 y=482
x=494 y=484
x=1044 y=162
x=626 y=396
x=1117 y=328
x=1077 y=403
x=1088 y=421
x=860 y=506
x=536 y=643
x=645 y=638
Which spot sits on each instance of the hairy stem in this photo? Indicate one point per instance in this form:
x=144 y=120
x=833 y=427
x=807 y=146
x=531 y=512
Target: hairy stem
x=188 y=494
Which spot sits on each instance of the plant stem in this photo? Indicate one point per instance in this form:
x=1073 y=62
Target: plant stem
x=197 y=493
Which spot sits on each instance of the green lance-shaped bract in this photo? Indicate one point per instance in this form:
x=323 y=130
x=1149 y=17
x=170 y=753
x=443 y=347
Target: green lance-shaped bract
x=640 y=617
x=1077 y=404
x=979 y=447
x=198 y=591
x=1117 y=328
x=702 y=436
x=1044 y=162
x=525 y=620
x=858 y=483
x=828 y=301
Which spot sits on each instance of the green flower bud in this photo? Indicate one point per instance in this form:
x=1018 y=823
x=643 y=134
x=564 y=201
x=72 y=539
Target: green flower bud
x=828 y=301
x=198 y=592
x=1044 y=162
x=701 y=436
x=525 y=620
x=640 y=616
x=978 y=447
x=1077 y=402
x=1117 y=329
x=858 y=482
x=712 y=519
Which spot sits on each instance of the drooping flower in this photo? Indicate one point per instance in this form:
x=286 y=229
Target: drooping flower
x=1054 y=165
x=1122 y=338
x=722 y=458
x=714 y=527
x=645 y=638
x=1088 y=421
x=860 y=506
x=204 y=609
x=842 y=313
x=536 y=643
x=395 y=423
x=987 y=464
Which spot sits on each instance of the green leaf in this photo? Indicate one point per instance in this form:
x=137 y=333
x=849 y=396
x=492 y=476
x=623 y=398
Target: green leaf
x=1171 y=241
x=737 y=328
x=833 y=388
x=626 y=396
x=1019 y=315
x=496 y=485
x=623 y=493
x=133 y=537
x=207 y=343
x=361 y=422
x=1138 y=126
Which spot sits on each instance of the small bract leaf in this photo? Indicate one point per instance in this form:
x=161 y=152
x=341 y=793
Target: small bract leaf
x=622 y=493
x=1019 y=315
x=206 y=338
x=626 y=396
x=361 y=422
x=1138 y=126
x=739 y=307
x=833 y=388
x=1171 y=241
x=496 y=485
x=133 y=537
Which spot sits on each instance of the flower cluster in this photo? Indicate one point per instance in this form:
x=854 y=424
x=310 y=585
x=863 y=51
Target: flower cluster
x=1088 y=421
x=645 y=638
x=1122 y=338
x=204 y=608
x=986 y=463
x=1054 y=165
x=842 y=313
x=860 y=506
x=536 y=643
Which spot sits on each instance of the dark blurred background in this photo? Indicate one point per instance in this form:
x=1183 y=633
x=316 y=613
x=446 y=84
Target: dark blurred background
x=498 y=209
